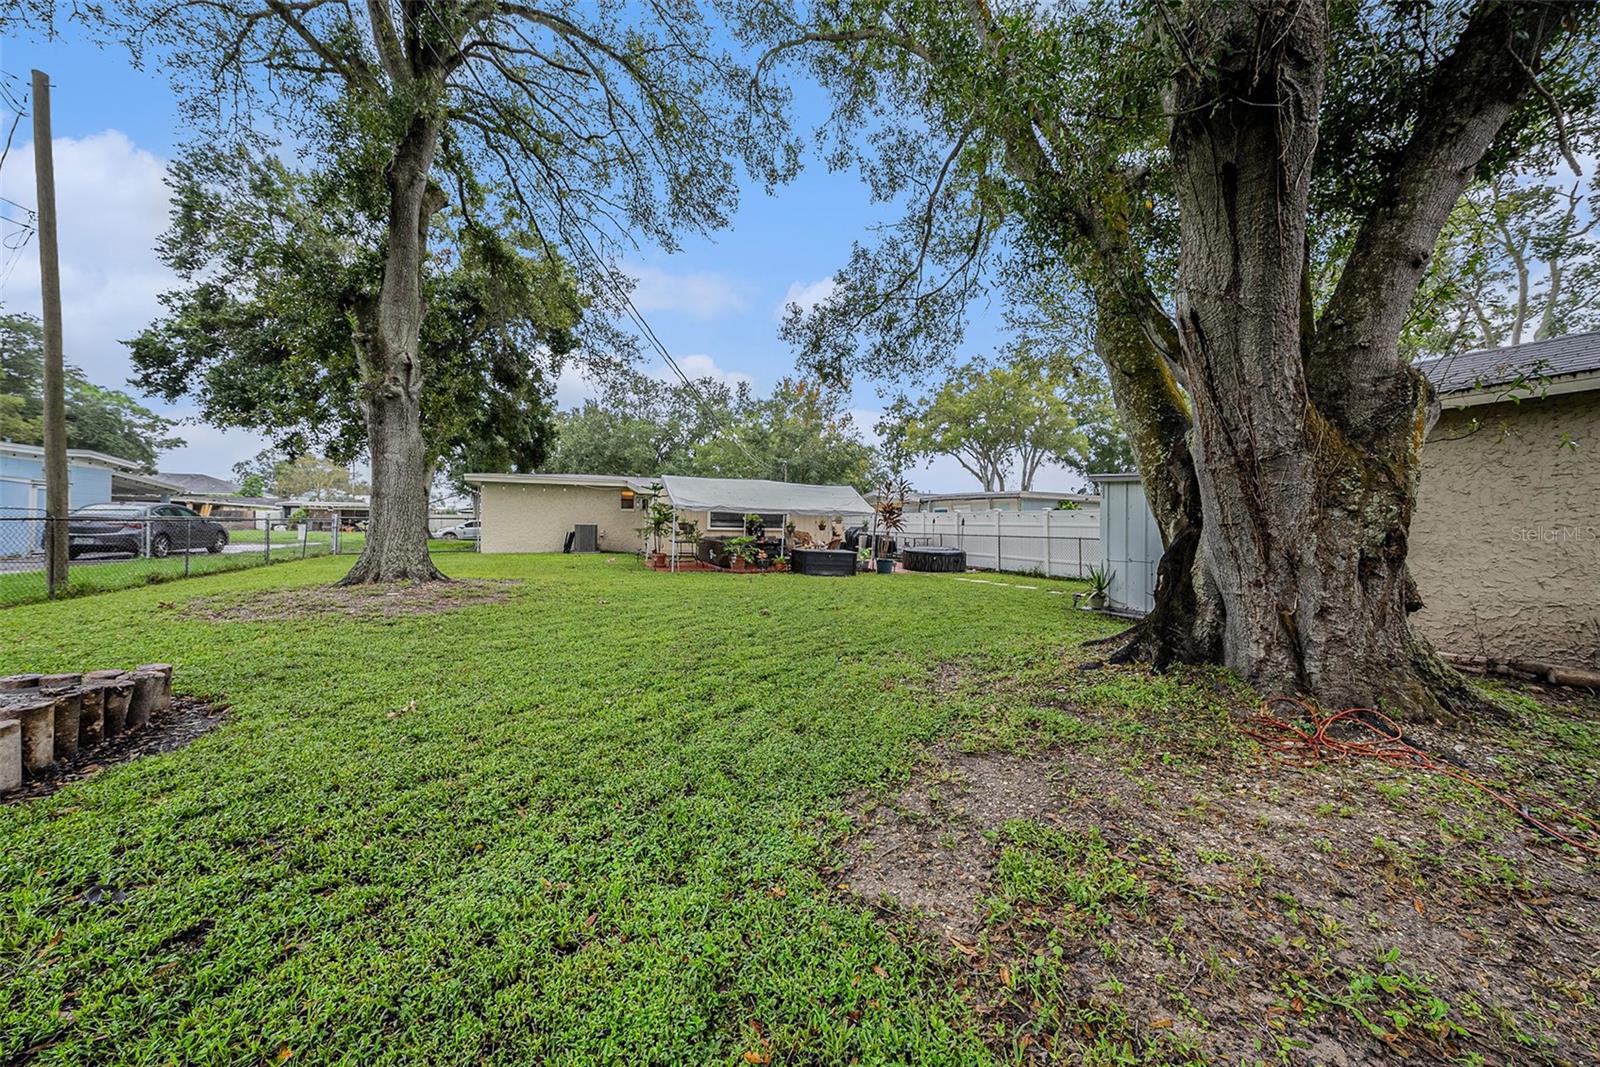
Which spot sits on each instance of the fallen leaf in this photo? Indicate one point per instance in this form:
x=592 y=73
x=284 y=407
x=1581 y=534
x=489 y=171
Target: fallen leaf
x=1161 y=1024
x=878 y=970
x=753 y=1056
x=1005 y=977
x=283 y=1053
x=1416 y=902
x=778 y=891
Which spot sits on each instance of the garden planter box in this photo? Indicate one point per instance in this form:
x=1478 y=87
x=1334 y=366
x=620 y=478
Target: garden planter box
x=836 y=562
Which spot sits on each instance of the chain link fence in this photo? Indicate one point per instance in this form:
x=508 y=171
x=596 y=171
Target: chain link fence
x=113 y=547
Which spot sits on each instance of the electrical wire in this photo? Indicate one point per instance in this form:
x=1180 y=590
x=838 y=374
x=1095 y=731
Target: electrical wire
x=1304 y=736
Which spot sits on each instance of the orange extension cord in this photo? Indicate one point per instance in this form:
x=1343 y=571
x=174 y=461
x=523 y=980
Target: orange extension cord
x=1376 y=736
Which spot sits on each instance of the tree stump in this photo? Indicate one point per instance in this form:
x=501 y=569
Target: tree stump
x=165 y=699
x=38 y=718
x=10 y=755
x=146 y=695
x=116 y=693
x=69 y=707
x=91 y=715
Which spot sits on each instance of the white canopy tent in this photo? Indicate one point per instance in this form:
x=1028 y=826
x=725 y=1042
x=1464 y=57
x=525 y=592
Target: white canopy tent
x=758 y=495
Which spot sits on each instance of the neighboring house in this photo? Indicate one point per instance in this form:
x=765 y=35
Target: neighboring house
x=1014 y=500
x=1505 y=542
x=92 y=478
x=535 y=512
x=200 y=485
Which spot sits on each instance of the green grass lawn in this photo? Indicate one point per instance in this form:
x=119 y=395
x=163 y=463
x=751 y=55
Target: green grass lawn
x=565 y=847
x=608 y=821
x=100 y=575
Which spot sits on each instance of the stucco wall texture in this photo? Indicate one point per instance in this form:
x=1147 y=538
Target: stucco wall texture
x=1505 y=544
x=536 y=518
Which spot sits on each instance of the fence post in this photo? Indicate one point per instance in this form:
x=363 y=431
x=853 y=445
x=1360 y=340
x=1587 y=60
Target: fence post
x=188 y=544
x=1047 y=544
x=333 y=535
x=266 y=542
x=999 y=552
x=145 y=534
x=1080 y=557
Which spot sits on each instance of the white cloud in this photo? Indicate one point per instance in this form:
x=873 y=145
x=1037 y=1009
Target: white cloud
x=112 y=207
x=700 y=294
x=574 y=386
x=700 y=366
x=806 y=294
x=209 y=449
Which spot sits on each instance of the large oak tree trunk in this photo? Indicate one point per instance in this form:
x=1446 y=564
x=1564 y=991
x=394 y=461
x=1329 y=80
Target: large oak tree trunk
x=387 y=342
x=1303 y=530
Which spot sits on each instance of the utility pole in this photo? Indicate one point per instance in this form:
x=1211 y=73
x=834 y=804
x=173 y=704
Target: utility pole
x=56 y=503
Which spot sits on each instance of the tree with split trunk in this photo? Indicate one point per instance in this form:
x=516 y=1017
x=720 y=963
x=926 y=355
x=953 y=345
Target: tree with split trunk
x=1192 y=166
x=585 y=127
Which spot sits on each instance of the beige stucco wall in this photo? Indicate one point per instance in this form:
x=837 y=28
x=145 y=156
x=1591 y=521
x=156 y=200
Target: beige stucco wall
x=1505 y=544
x=536 y=518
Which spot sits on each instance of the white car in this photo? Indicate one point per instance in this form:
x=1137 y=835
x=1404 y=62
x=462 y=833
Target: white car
x=466 y=531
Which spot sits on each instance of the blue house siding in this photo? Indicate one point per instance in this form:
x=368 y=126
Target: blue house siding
x=86 y=484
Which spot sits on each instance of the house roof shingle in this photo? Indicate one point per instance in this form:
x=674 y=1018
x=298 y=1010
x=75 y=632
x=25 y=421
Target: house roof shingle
x=1537 y=361
x=201 y=483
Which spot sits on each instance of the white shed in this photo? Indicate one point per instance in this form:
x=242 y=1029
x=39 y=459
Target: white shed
x=1130 y=541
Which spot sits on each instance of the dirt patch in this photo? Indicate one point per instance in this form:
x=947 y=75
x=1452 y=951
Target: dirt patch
x=350 y=602
x=1104 y=896
x=926 y=850
x=183 y=720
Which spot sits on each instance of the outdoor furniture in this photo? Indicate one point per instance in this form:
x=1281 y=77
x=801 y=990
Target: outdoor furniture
x=823 y=561
x=933 y=558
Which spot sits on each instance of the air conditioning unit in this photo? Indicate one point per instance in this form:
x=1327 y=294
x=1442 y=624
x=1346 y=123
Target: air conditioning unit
x=586 y=537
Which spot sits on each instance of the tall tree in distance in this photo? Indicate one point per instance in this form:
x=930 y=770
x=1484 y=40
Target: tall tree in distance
x=98 y=418
x=568 y=126
x=1015 y=416
x=800 y=432
x=1519 y=260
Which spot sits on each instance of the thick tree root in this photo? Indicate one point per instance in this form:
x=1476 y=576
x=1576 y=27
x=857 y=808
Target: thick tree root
x=370 y=570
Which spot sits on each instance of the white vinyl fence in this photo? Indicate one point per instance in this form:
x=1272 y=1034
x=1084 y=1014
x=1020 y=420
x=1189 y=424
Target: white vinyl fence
x=1061 y=544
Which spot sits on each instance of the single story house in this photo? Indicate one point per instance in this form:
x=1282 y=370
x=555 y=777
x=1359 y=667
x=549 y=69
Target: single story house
x=1505 y=541
x=1004 y=500
x=92 y=478
x=536 y=512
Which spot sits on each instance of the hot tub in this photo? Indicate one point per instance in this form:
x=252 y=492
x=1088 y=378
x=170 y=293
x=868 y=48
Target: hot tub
x=826 y=561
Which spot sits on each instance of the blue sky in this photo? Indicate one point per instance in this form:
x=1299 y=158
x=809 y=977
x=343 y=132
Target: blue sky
x=715 y=304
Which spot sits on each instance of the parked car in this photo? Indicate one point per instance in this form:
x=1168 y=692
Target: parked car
x=114 y=528
x=466 y=531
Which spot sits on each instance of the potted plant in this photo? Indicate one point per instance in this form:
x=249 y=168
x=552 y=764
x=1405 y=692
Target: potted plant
x=889 y=519
x=1099 y=586
x=742 y=551
x=781 y=564
x=657 y=526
